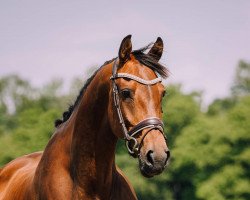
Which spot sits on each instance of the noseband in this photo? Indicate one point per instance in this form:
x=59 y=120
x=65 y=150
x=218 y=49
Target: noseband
x=149 y=123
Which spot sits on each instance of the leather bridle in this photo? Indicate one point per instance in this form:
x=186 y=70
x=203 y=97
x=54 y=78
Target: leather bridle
x=150 y=123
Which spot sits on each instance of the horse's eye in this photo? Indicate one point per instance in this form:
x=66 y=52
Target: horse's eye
x=126 y=93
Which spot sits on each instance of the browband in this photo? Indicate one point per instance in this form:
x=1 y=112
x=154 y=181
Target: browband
x=136 y=78
x=116 y=75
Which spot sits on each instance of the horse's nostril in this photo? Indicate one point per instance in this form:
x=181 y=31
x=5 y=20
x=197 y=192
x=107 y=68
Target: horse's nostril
x=168 y=156
x=150 y=157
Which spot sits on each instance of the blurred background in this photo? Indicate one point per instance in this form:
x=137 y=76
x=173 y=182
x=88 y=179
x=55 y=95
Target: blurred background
x=49 y=48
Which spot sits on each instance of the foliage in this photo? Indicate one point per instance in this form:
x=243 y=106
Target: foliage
x=241 y=84
x=179 y=110
x=220 y=106
x=209 y=151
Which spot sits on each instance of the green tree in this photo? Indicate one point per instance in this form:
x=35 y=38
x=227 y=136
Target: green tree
x=220 y=106
x=13 y=91
x=241 y=84
x=179 y=110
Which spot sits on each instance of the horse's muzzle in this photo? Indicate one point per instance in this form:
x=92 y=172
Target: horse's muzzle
x=152 y=164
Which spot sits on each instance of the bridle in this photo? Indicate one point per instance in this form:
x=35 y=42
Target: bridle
x=149 y=123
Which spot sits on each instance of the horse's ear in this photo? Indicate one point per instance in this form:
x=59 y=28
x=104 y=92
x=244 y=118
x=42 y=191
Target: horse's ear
x=157 y=49
x=125 y=49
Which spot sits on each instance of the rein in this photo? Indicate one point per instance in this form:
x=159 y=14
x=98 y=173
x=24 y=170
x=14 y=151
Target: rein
x=150 y=123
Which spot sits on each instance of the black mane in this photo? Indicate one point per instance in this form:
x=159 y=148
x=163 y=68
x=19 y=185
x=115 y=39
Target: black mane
x=145 y=59
x=66 y=115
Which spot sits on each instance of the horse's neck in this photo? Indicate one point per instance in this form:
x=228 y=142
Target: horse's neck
x=93 y=143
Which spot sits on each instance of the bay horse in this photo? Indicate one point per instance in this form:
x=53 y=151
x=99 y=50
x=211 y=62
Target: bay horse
x=121 y=100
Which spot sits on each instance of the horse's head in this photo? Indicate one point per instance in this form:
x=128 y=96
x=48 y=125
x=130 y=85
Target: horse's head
x=135 y=110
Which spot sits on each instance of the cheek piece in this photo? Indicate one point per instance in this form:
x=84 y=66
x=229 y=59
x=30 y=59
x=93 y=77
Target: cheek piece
x=150 y=123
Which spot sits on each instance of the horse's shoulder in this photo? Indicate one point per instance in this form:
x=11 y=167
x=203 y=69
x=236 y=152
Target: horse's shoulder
x=20 y=162
x=18 y=172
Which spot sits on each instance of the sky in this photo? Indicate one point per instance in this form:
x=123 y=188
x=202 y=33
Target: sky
x=203 y=40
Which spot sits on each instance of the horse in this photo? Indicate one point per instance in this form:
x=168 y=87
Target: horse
x=122 y=100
